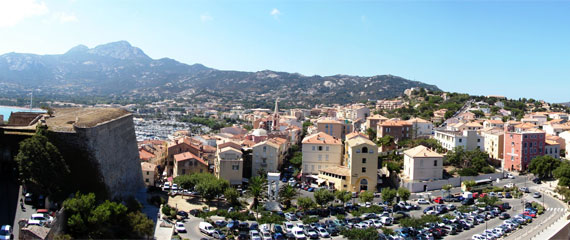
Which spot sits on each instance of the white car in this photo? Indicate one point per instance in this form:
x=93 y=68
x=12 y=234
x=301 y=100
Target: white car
x=377 y=223
x=422 y=201
x=43 y=218
x=300 y=225
x=510 y=176
x=174 y=186
x=289 y=226
x=265 y=235
x=298 y=233
x=254 y=235
x=478 y=237
x=206 y=228
x=386 y=221
x=179 y=227
x=166 y=186
x=510 y=185
x=323 y=233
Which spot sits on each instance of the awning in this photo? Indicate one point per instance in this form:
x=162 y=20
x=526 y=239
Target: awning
x=312 y=176
x=319 y=181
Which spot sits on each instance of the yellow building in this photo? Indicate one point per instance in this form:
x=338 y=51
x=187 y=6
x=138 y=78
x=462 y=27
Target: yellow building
x=335 y=128
x=229 y=163
x=494 y=143
x=149 y=173
x=359 y=172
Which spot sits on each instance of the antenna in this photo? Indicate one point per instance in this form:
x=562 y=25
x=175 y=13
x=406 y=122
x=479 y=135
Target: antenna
x=31 y=98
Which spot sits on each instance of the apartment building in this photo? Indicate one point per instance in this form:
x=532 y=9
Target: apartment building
x=267 y=157
x=320 y=151
x=422 y=164
x=335 y=128
x=188 y=163
x=521 y=147
x=469 y=140
x=421 y=127
x=493 y=142
x=398 y=129
x=229 y=163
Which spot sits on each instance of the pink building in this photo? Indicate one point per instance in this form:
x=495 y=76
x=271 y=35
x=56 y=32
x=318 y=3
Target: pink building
x=521 y=147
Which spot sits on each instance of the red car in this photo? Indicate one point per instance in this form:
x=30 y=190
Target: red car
x=530 y=214
x=482 y=194
x=438 y=200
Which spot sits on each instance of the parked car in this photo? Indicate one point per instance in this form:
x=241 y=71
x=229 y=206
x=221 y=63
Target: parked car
x=206 y=228
x=438 y=200
x=254 y=235
x=536 y=180
x=536 y=195
x=510 y=176
x=218 y=234
x=323 y=233
x=6 y=232
x=298 y=233
x=524 y=189
x=179 y=227
x=422 y=201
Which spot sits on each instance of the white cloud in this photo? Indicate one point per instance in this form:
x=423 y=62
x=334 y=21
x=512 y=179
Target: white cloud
x=205 y=17
x=64 y=17
x=14 y=11
x=275 y=13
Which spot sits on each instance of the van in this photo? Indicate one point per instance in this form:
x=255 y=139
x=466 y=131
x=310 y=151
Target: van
x=206 y=228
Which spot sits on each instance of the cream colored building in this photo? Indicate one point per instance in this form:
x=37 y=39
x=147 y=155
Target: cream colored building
x=266 y=157
x=229 y=163
x=421 y=164
x=552 y=148
x=469 y=140
x=320 y=151
x=494 y=140
x=149 y=173
x=359 y=171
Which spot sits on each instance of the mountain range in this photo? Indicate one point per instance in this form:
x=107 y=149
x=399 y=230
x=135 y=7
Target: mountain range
x=120 y=69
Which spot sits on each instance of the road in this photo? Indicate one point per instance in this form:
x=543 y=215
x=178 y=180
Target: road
x=10 y=210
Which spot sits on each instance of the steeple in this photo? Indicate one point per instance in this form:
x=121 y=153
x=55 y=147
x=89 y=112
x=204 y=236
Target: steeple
x=275 y=122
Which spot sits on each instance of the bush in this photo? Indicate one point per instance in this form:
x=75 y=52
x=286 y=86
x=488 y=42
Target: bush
x=156 y=200
x=166 y=209
x=468 y=172
x=309 y=219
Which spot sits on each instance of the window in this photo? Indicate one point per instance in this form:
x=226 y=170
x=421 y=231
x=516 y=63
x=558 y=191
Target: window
x=264 y=148
x=371 y=151
x=524 y=144
x=320 y=148
x=319 y=167
x=364 y=160
x=326 y=157
x=363 y=169
x=312 y=167
x=264 y=160
x=387 y=130
x=313 y=148
x=435 y=163
x=460 y=140
x=327 y=148
x=147 y=173
x=183 y=171
x=146 y=180
x=478 y=139
x=364 y=150
x=320 y=157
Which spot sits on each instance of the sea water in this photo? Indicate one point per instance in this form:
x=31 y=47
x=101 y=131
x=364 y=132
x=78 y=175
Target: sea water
x=6 y=111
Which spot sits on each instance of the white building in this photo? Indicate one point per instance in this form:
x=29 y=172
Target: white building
x=469 y=140
x=421 y=127
x=422 y=164
x=266 y=157
x=320 y=151
x=552 y=148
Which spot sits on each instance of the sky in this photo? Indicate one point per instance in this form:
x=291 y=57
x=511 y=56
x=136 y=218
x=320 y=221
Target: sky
x=510 y=48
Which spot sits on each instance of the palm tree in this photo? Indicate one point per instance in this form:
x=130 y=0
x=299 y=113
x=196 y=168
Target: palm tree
x=286 y=194
x=257 y=189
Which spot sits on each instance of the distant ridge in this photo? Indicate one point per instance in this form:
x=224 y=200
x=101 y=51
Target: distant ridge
x=120 y=69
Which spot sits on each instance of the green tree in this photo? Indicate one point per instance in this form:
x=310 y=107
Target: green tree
x=211 y=187
x=41 y=164
x=404 y=193
x=385 y=141
x=410 y=222
x=371 y=133
x=562 y=173
x=257 y=187
x=140 y=224
x=387 y=231
x=447 y=188
x=366 y=196
x=323 y=197
x=343 y=196
x=185 y=181
x=232 y=196
x=543 y=166
x=388 y=195
x=469 y=184
x=305 y=203
x=297 y=160
x=360 y=234
x=286 y=194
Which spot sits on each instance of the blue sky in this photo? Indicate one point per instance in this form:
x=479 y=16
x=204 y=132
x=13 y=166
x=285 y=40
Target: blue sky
x=511 y=48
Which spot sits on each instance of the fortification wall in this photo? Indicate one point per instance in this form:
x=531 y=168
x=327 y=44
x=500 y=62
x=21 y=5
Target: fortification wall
x=112 y=146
